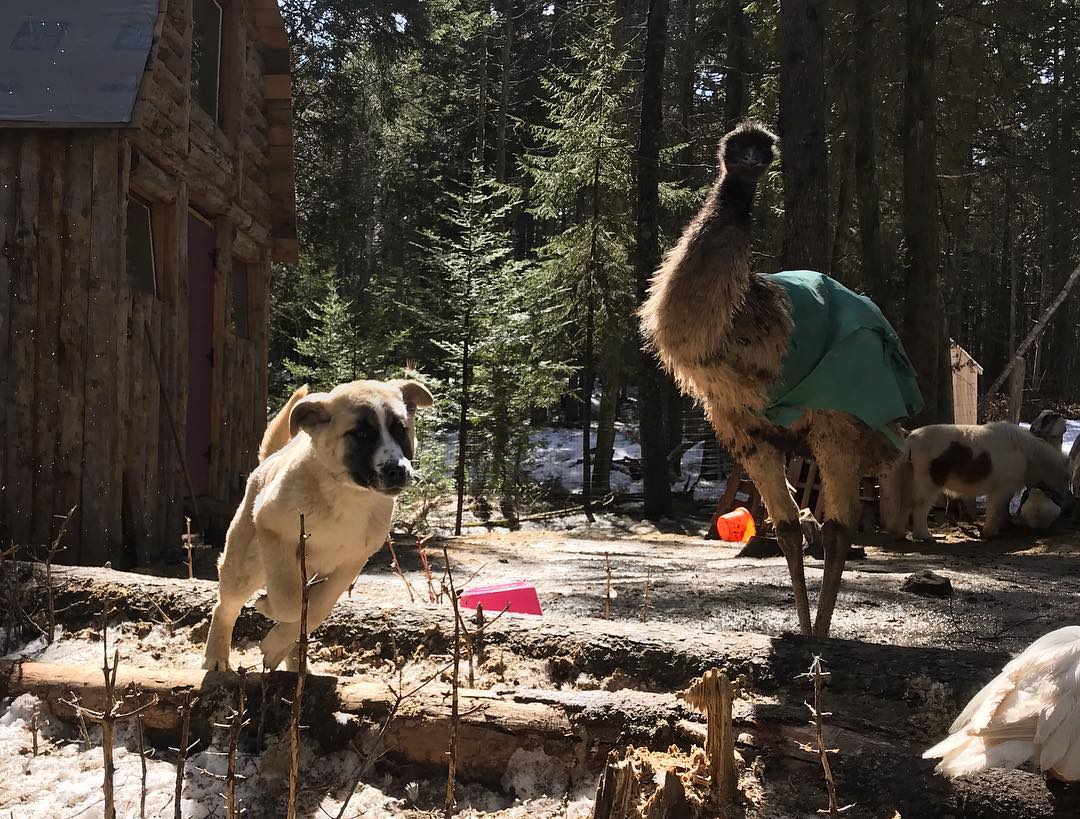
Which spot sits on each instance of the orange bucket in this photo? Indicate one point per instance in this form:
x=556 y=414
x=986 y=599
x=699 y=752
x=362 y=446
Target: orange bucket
x=737 y=526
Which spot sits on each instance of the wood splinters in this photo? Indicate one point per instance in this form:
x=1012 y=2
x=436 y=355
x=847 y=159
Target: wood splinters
x=712 y=695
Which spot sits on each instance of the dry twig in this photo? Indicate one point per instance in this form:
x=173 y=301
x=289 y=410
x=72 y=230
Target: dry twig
x=142 y=762
x=237 y=722
x=818 y=746
x=455 y=716
x=183 y=749
x=50 y=600
x=301 y=672
x=109 y=716
x=397 y=569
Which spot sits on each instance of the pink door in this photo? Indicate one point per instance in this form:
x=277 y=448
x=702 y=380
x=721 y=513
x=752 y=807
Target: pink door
x=201 y=248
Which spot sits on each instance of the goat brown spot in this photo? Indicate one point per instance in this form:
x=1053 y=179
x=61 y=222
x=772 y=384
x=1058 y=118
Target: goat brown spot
x=959 y=460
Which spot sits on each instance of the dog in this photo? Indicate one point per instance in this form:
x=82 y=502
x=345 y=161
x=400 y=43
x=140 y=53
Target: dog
x=1041 y=506
x=1050 y=426
x=341 y=458
x=966 y=460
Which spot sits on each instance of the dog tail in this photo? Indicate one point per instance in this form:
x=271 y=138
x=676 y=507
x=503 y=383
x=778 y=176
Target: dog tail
x=896 y=494
x=277 y=431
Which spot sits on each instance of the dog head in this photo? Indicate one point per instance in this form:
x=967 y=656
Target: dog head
x=365 y=431
x=1038 y=510
x=1050 y=426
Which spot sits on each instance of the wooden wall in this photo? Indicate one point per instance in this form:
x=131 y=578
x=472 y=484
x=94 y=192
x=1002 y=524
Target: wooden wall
x=93 y=372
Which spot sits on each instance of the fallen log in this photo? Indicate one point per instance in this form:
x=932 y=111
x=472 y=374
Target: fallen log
x=577 y=729
x=663 y=658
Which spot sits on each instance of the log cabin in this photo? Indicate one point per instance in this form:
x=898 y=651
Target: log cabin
x=146 y=186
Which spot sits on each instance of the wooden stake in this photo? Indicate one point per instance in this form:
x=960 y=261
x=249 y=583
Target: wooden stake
x=187 y=546
x=607 y=588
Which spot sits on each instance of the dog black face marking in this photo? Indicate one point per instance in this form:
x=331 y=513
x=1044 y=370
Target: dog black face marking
x=379 y=451
x=362 y=441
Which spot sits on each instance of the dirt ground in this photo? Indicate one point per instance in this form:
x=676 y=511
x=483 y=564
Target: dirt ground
x=1006 y=593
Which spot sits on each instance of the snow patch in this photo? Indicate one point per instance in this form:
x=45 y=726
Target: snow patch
x=532 y=773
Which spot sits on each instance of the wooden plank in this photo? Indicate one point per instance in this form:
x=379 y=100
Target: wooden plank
x=233 y=63
x=72 y=338
x=181 y=351
x=148 y=386
x=22 y=459
x=9 y=164
x=223 y=231
x=100 y=529
x=134 y=406
x=123 y=409
x=50 y=220
x=185 y=70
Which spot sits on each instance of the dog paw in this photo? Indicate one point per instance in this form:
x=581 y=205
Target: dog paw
x=276 y=646
x=216 y=664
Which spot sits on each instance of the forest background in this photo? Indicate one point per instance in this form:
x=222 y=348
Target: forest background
x=484 y=187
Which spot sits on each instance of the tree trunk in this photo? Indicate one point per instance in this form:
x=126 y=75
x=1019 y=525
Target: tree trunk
x=923 y=309
x=605 y=429
x=651 y=390
x=874 y=274
x=736 y=97
x=1061 y=338
x=504 y=93
x=463 y=417
x=802 y=136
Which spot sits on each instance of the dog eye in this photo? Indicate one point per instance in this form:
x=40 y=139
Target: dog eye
x=362 y=433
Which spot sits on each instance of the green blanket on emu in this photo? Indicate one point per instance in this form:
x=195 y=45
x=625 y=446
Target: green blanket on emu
x=844 y=355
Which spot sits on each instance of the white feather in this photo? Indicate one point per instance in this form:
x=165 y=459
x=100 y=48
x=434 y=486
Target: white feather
x=1030 y=711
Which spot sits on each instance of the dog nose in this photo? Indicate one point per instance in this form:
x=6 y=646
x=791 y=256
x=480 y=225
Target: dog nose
x=395 y=473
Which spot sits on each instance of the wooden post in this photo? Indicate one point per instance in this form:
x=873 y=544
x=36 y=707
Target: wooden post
x=1016 y=390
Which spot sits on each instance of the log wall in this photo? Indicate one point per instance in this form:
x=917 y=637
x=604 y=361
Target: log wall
x=94 y=372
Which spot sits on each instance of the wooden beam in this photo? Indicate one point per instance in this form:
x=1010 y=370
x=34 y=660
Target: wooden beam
x=149 y=181
x=277 y=86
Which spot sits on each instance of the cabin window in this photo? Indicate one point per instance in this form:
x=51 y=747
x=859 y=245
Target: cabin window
x=141 y=273
x=240 y=305
x=206 y=55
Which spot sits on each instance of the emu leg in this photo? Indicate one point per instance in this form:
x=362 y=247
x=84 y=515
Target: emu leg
x=839 y=444
x=836 y=541
x=790 y=537
x=766 y=468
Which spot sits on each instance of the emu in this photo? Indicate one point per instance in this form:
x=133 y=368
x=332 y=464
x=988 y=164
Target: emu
x=725 y=333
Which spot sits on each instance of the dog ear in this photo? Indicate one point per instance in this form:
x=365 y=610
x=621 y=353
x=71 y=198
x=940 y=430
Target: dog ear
x=414 y=393
x=309 y=413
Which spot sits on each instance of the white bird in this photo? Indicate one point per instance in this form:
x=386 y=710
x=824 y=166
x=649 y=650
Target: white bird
x=1029 y=712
